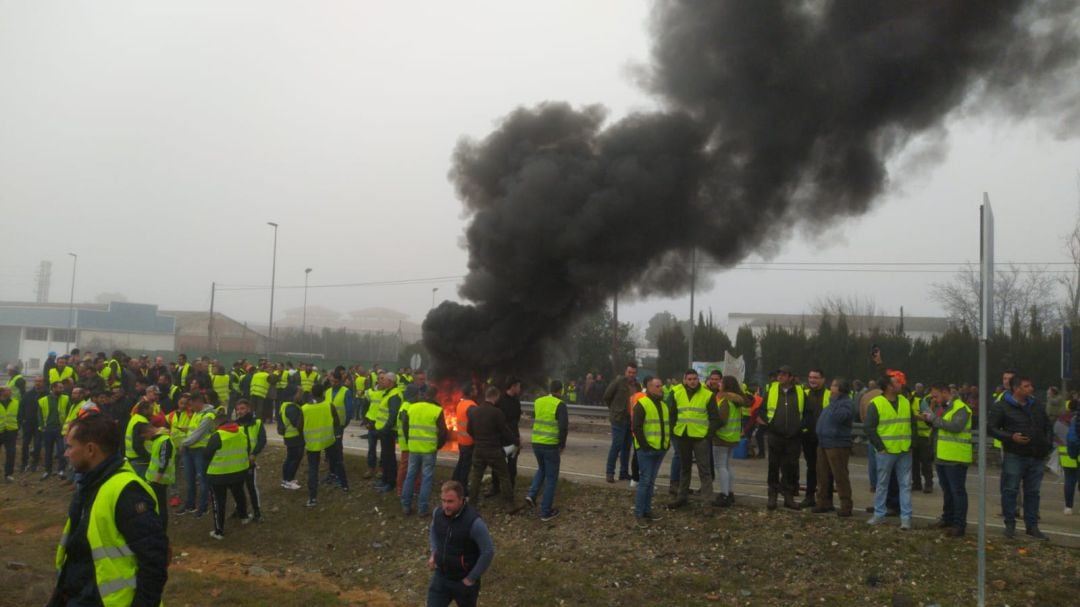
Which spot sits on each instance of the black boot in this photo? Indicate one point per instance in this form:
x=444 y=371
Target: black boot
x=808 y=502
x=772 y=500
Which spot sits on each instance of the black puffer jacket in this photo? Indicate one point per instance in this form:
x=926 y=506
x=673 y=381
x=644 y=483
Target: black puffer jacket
x=1008 y=417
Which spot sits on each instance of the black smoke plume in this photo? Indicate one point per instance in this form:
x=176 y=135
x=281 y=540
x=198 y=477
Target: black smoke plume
x=778 y=114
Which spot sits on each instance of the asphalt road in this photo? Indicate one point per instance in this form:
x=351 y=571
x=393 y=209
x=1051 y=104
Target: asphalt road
x=586 y=454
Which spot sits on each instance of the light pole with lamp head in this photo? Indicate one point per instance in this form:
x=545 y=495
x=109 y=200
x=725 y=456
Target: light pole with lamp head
x=433 y=290
x=303 y=322
x=273 y=277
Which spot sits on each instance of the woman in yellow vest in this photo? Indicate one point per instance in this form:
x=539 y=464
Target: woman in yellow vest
x=729 y=403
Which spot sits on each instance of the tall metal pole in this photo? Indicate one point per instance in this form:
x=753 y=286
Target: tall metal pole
x=303 y=321
x=71 y=304
x=986 y=245
x=693 y=280
x=210 y=321
x=273 y=277
x=433 y=290
x=615 y=336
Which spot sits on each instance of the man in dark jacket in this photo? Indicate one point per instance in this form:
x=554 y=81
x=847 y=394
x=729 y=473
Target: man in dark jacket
x=617 y=400
x=28 y=424
x=461 y=550
x=510 y=404
x=781 y=414
x=1021 y=424
x=94 y=450
x=816 y=399
x=490 y=432
x=833 y=431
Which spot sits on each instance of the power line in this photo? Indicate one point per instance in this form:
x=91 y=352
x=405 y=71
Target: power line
x=380 y=283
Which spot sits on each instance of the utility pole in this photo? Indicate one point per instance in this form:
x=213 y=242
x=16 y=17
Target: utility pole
x=986 y=242
x=615 y=336
x=71 y=305
x=693 y=279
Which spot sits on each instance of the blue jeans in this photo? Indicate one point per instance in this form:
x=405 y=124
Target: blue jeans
x=675 y=474
x=953 y=481
x=871 y=466
x=195 y=470
x=548 y=459
x=620 y=449
x=53 y=444
x=649 y=464
x=423 y=464
x=901 y=463
x=1014 y=470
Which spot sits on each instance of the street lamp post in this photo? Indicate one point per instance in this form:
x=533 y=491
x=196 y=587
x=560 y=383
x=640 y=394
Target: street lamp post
x=71 y=303
x=273 y=277
x=433 y=290
x=303 y=321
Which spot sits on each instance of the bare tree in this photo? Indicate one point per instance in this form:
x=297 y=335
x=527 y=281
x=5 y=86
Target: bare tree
x=850 y=306
x=1018 y=293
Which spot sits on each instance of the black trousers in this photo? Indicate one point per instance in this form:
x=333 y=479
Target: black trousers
x=8 y=438
x=511 y=473
x=217 y=499
x=251 y=484
x=294 y=453
x=464 y=466
x=161 y=492
x=31 y=437
x=387 y=461
x=809 y=451
x=783 y=462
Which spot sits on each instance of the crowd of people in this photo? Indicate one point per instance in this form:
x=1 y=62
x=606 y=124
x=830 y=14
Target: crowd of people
x=122 y=429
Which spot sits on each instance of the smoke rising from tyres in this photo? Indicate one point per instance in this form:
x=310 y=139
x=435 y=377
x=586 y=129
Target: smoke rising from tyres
x=777 y=114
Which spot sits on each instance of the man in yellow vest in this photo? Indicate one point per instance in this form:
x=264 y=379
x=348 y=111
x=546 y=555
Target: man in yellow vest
x=551 y=424
x=890 y=426
x=694 y=418
x=337 y=395
x=651 y=428
x=290 y=426
x=781 y=415
x=114 y=550
x=319 y=420
x=951 y=441
x=193 y=449
x=816 y=399
x=1065 y=423
x=922 y=455
x=135 y=443
x=62 y=374
x=423 y=431
x=9 y=430
x=375 y=402
x=386 y=418
x=228 y=452
x=161 y=471
x=52 y=411
x=256 y=432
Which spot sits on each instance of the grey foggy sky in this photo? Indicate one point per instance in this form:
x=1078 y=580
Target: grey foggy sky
x=157 y=139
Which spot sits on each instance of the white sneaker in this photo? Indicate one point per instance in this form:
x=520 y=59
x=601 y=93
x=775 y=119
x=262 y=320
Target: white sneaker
x=1067 y=511
x=633 y=483
x=216 y=535
x=293 y=485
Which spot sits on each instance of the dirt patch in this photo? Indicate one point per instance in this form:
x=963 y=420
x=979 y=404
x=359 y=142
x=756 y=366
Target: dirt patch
x=358 y=549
